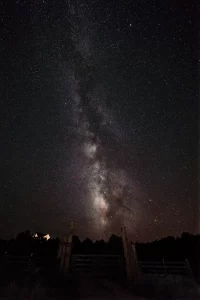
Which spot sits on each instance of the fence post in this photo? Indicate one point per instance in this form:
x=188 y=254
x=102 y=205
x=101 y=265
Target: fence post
x=126 y=254
x=64 y=252
x=68 y=249
x=134 y=263
x=189 y=267
x=164 y=267
x=130 y=258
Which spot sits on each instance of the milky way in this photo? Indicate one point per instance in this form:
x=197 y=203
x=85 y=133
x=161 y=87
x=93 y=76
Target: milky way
x=109 y=189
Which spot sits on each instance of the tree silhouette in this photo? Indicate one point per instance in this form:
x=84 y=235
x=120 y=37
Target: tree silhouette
x=87 y=246
x=100 y=247
x=115 y=245
x=24 y=236
x=76 y=245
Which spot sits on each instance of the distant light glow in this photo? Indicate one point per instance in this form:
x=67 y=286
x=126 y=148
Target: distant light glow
x=46 y=237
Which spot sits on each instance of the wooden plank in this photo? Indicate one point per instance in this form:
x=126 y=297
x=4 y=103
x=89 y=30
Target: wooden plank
x=98 y=265
x=160 y=262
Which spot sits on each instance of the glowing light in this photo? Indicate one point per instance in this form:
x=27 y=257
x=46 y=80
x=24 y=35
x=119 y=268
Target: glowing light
x=46 y=237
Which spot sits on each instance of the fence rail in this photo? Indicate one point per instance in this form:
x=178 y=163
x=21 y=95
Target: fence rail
x=98 y=265
x=20 y=262
x=165 y=267
x=112 y=265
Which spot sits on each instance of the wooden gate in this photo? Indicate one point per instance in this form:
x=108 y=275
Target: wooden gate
x=98 y=265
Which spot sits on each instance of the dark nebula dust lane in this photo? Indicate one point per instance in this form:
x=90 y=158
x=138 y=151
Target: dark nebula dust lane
x=99 y=118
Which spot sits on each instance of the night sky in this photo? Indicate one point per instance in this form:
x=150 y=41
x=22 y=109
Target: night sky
x=98 y=117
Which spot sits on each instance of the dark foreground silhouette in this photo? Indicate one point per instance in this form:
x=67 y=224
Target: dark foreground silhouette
x=36 y=274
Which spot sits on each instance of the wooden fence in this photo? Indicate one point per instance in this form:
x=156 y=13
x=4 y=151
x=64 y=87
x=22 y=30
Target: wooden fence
x=98 y=265
x=16 y=262
x=12 y=263
x=101 y=265
x=165 y=267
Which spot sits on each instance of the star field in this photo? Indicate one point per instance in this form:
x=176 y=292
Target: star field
x=99 y=117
